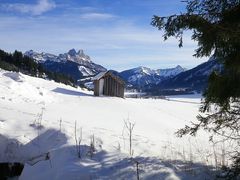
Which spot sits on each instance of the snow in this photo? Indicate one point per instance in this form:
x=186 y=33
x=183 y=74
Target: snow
x=161 y=72
x=72 y=55
x=42 y=57
x=99 y=76
x=85 y=71
x=170 y=71
x=143 y=75
x=144 y=70
x=38 y=116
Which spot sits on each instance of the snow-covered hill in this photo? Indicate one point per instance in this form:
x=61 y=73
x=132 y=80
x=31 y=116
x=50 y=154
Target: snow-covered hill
x=74 y=63
x=142 y=76
x=37 y=118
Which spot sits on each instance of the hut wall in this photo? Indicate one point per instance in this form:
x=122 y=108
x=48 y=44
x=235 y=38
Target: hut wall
x=101 y=85
x=108 y=86
x=112 y=87
x=96 y=88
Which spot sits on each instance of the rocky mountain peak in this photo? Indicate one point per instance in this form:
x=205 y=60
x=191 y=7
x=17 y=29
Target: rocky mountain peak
x=76 y=56
x=178 y=67
x=72 y=52
x=73 y=63
x=80 y=52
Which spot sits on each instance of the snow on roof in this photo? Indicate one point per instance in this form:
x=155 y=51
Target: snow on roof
x=99 y=76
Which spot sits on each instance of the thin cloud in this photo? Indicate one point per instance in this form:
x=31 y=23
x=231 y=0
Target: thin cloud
x=109 y=44
x=39 y=8
x=97 y=16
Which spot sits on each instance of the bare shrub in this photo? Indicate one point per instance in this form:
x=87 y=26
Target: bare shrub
x=129 y=126
x=92 y=148
x=78 y=140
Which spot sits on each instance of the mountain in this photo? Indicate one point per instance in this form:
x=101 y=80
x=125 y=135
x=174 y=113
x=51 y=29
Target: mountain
x=75 y=64
x=79 y=66
x=188 y=81
x=41 y=57
x=72 y=55
x=170 y=72
x=142 y=76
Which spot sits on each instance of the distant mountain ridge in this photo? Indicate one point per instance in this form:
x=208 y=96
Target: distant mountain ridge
x=142 y=76
x=195 y=79
x=75 y=64
x=72 y=55
x=79 y=66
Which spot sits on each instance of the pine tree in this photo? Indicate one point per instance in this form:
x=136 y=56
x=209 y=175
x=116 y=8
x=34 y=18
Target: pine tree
x=215 y=25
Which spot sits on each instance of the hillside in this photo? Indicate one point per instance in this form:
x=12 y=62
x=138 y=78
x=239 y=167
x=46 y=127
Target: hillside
x=38 y=117
x=19 y=62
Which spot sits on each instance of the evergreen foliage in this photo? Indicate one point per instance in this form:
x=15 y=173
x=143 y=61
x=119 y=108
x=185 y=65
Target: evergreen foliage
x=24 y=64
x=215 y=25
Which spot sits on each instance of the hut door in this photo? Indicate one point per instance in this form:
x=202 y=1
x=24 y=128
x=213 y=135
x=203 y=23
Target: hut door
x=101 y=85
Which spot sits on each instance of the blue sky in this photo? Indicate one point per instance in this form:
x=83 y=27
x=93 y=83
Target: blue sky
x=114 y=33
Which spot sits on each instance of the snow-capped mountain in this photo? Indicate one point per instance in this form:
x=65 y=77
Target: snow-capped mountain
x=73 y=63
x=79 y=66
x=193 y=80
x=41 y=57
x=142 y=76
x=72 y=55
x=170 y=72
x=78 y=57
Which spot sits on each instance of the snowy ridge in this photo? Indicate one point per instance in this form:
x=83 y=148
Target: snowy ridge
x=194 y=79
x=170 y=72
x=72 y=55
x=42 y=57
x=143 y=70
x=142 y=76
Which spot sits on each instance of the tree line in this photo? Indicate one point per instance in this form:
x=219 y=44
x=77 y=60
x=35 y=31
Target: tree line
x=18 y=62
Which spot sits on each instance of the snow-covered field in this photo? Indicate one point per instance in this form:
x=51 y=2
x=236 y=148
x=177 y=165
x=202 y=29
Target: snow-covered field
x=38 y=117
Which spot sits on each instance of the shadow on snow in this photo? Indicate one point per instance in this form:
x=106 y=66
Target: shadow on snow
x=63 y=163
x=70 y=92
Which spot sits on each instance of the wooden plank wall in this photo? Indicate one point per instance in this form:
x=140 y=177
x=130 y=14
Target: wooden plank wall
x=112 y=87
x=96 y=88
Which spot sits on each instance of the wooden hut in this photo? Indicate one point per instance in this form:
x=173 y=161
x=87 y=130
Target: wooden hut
x=109 y=84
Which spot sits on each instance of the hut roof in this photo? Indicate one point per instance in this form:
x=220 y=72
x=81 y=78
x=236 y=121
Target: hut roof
x=99 y=75
x=102 y=74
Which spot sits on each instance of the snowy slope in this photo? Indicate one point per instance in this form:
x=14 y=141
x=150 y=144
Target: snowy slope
x=26 y=102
